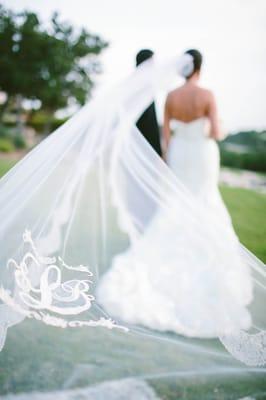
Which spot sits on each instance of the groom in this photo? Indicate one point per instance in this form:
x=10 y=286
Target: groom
x=147 y=123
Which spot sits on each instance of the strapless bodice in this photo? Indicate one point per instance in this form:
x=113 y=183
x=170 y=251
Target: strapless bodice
x=193 y=156
x=198 y=128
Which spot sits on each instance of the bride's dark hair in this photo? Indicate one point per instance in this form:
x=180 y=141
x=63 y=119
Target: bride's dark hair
x=197 y=61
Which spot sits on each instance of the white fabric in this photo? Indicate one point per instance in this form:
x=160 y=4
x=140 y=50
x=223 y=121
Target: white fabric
x=194 y=157
x=167 y=281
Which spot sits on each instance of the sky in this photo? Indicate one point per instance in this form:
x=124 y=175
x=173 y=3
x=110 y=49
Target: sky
x=231 y=34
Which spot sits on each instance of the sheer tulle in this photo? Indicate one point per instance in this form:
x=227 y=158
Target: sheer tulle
x=95 y=190
x=152 y=282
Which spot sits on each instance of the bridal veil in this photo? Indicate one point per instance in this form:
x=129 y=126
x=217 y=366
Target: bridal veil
x=83 y=196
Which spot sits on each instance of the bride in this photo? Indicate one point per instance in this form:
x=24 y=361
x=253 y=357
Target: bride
x=183 y=287
x=192 y=152
x=192 y=114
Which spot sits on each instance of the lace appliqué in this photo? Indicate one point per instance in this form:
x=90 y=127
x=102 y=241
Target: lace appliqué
x=246 y=347
x=51 y=295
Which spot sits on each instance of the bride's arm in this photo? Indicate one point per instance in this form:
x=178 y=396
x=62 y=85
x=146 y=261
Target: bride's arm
x=216 y=131
x=166 y=127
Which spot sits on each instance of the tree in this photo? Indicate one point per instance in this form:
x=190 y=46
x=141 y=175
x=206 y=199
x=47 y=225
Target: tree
x=55 y=65
x=7 y=64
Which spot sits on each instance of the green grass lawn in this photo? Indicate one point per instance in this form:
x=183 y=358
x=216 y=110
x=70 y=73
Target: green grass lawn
x=248 y=211
x=5 y=165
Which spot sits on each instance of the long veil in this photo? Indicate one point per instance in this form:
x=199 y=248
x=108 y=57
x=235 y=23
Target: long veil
x=86 y=194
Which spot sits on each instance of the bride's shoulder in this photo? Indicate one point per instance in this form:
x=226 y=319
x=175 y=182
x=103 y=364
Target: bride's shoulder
x=170 y=97
x=207 y=92
x=206 y=95
x=174 y=93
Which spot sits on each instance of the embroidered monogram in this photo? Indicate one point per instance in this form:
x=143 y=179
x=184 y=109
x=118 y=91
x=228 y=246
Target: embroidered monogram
x=51 y=294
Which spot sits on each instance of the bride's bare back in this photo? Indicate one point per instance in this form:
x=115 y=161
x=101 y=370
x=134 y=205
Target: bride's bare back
x=190 y=102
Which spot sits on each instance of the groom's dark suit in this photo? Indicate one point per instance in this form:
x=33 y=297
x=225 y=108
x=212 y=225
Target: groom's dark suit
x=147 y=123
x=148 y=126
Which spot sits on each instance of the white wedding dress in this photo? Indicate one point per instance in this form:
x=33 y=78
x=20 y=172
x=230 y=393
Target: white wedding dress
x=182 y=287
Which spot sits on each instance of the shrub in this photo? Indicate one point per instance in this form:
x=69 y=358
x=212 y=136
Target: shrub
x=41 y=121
x=19 y=142
x=13 y=136
x=4 y=132
x=254 y=161
x=6 y=145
